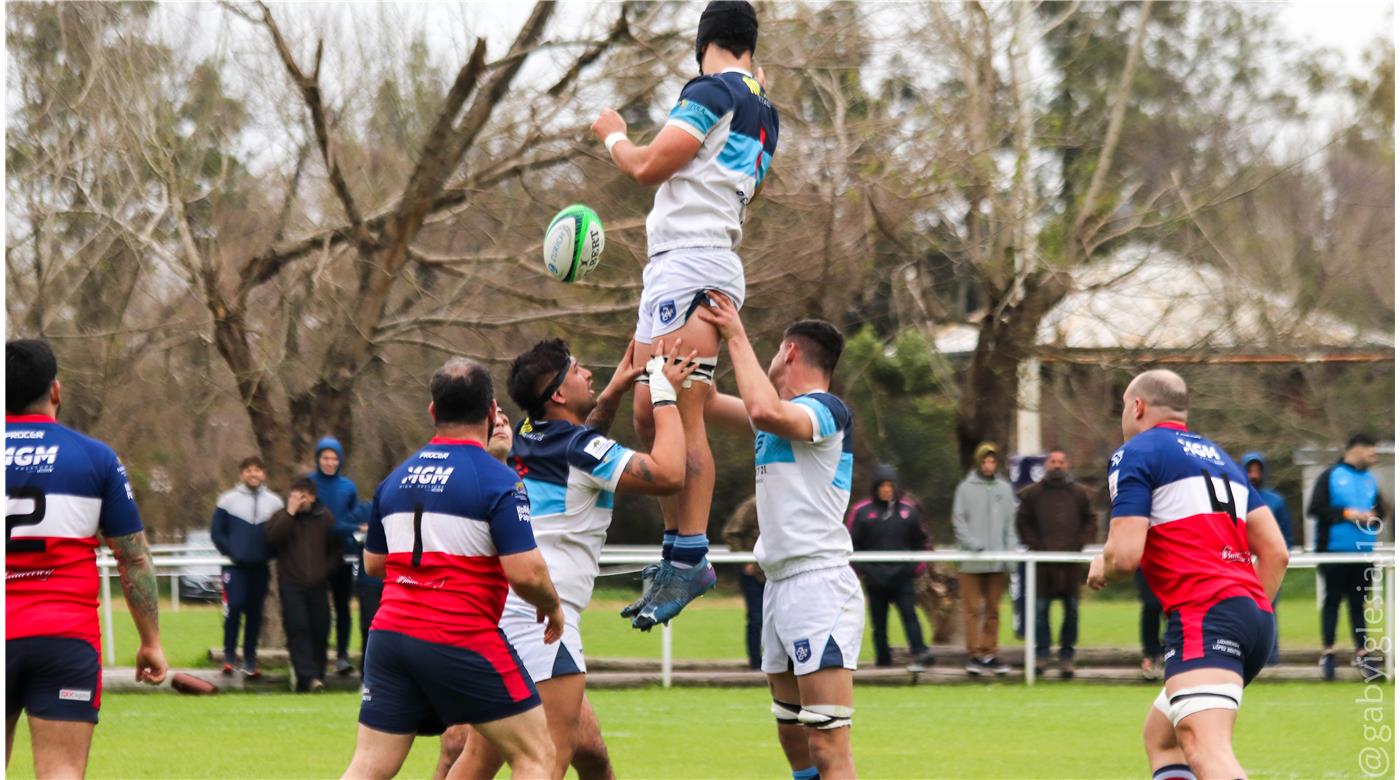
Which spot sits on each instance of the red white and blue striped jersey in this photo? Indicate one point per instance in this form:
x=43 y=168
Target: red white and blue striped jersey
x=62 y=489
x=444 y=517
x=1195 y=497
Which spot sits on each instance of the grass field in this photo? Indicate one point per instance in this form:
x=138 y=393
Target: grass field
x=713 y=627
x=997 y=730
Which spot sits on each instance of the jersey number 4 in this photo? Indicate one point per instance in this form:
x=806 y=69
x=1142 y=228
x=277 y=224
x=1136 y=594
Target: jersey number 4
x=1228 y=505
x=34 y=516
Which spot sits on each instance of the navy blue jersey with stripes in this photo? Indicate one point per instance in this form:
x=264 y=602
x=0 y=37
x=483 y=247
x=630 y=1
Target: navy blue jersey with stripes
x=703 y=204
x=570 y=472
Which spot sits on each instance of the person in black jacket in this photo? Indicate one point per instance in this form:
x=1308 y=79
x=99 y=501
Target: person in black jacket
x=308 y=551
x=886 y=521
x=238 y=533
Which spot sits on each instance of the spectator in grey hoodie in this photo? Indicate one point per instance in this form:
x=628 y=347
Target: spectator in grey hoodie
x=238 y=531
x=984 y=520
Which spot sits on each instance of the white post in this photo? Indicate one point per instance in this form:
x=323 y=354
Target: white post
x=1028 y=407
x=1028 y=588
x=175 y=591
x=109 y=639
x=666 y=655
x=1390 y=604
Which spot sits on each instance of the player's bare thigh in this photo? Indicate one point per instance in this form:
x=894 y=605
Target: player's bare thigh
x=523 y=741
x=60 y=747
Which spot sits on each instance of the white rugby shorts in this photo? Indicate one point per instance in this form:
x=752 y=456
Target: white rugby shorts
x=813 y=620
x=671 y=280
x=543 y=661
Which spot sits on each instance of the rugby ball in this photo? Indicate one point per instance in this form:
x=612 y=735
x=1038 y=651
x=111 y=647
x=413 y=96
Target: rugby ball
x=189 y=684
x=573 y=243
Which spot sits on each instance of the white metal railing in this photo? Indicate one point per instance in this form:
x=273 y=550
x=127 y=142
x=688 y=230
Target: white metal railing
x=641 y=555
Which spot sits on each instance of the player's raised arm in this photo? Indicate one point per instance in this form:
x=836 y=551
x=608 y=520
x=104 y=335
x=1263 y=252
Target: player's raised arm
x=138 y=578
x=1269 y=548
x=766 y=409
x=728 y=412
x=624 y=377
x=649 y=164
x=662 y=471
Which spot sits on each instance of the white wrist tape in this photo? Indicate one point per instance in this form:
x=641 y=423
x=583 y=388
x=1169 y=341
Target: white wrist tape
x=614 y=139
x=661 y=389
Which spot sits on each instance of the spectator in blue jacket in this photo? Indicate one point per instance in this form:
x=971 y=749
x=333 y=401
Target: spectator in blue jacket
x=1346 y=504
x=1257 y=470
x=239 y=534
x=337 y=493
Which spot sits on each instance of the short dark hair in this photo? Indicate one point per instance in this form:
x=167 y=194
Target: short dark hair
x=821 y=343
x=1361 y=440
x=251 y=460
x=30 y=369
x=461 y=392
x=304 y=484
x=532 y=370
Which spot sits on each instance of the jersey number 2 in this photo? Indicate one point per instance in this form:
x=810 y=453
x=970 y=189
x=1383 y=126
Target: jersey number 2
x=34 y=516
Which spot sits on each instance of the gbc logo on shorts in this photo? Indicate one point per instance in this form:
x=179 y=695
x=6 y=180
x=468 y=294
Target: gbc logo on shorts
x=801 y=650
x=75 y=694
x=31 y=456
x=667 y=312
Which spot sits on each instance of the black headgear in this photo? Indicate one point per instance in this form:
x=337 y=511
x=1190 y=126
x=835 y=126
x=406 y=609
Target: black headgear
x=728 y=20
x=30 y=368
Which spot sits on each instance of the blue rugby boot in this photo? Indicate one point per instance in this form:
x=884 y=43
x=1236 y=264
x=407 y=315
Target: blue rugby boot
x=673 y=591
x=649 y=577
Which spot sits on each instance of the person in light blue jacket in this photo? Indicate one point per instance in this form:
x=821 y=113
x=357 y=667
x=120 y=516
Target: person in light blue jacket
x=1346 y=504
x=238 y=532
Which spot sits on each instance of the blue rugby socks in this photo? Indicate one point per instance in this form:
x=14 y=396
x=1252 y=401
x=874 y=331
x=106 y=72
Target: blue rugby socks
x=810 y=773
x=1174 y=772
x=689 y=551
x=668 y=544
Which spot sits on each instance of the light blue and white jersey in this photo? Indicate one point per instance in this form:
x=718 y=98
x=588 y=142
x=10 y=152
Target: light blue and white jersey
x=702 y=205
x=803 y=488
x=570 y=472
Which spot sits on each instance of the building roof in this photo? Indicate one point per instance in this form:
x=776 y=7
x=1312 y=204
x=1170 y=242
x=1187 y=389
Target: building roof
x=1146 y=299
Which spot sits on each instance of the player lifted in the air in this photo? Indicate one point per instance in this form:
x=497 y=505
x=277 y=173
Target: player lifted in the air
x=813 y=610
x=710 y=160
x=1184 y=511
x=62 y=492
x=571 y=470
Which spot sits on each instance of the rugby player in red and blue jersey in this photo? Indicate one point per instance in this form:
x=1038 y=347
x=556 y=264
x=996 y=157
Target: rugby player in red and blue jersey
x=1212 y=554
x=449 y=533
x=62 y=491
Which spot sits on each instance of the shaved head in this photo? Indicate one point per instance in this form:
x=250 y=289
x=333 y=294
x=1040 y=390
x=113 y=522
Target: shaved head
x=1160 y=387
x=1153 y=397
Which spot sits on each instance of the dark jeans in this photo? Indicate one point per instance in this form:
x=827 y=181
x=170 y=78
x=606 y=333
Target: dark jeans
x=1150 y=620
x=1344 y=581
x=901 y=595
x=245 y=591
x=368 y=592
x=306 y=617
x=752 y=589
x=342 y=585
x=1069 y=629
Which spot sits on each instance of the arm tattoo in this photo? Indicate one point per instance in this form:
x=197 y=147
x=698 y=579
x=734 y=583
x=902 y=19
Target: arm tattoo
x=640 y=468
x=601 y=418
x=138 y=576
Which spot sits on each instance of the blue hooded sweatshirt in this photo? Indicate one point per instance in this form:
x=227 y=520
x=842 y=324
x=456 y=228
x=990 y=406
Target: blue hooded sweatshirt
x=1272 y=498
x=337 y=493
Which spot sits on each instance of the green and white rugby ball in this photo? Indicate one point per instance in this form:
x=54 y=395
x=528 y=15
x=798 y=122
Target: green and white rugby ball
x=573 y=243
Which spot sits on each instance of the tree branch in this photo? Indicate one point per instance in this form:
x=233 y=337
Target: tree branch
x=1115 y=122
x=310 y=86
